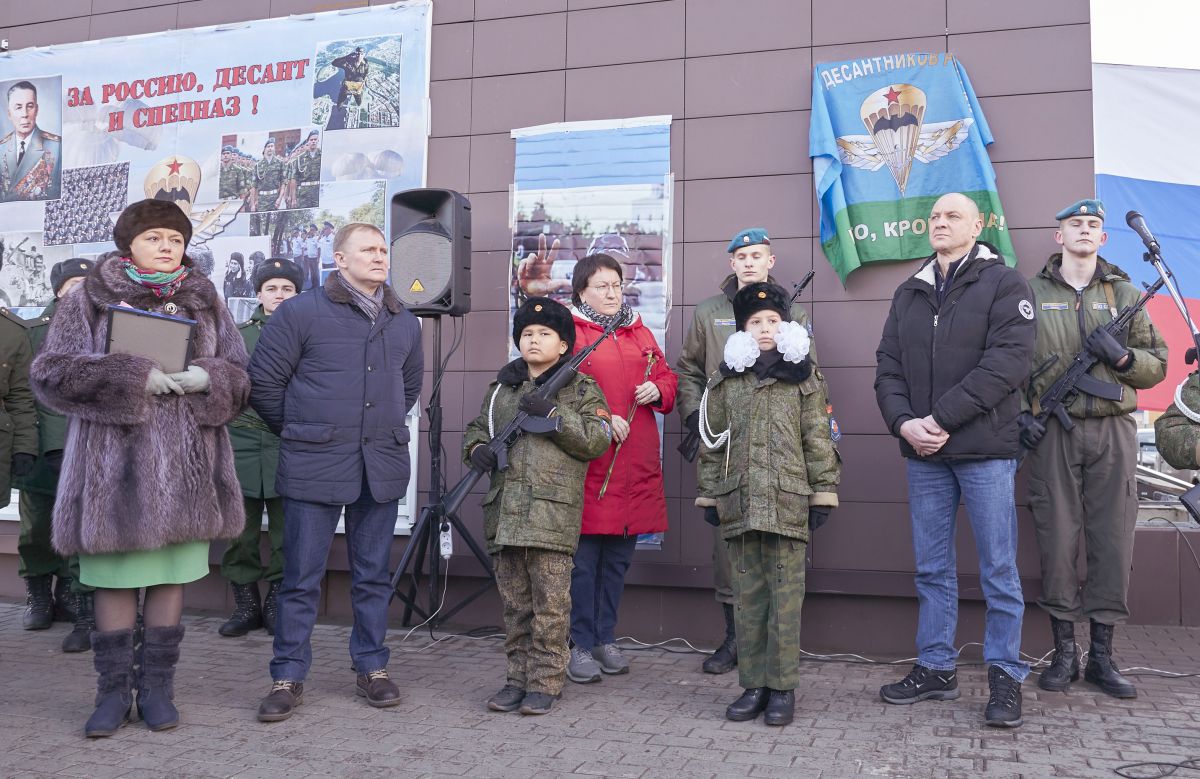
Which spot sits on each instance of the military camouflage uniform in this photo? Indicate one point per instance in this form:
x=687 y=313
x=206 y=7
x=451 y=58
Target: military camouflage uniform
x=532 y=515
x=305 y=170
x=36 y=502
x=354 y=77
x=1081 y=482
x=256 y=457
x=1176 y=435
x=268 y=178
x=229 y=186
x=778 y=461
x=703 y=346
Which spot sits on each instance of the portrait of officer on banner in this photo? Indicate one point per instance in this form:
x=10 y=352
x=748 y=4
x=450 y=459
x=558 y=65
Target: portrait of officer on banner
x=30 y=139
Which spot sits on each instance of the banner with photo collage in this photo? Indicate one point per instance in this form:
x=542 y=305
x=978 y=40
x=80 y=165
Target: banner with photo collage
x=595 y=186
x=268 y=134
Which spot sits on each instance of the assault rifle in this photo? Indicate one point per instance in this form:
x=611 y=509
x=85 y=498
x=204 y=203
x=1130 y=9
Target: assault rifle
x=1076 y=379
x=523 y=423
x=691 y=440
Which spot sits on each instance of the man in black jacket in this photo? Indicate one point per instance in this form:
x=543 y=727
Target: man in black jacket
x=956 y=348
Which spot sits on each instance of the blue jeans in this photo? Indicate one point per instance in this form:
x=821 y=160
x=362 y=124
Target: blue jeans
x=597 y=581
x=308 y=531
x=986 y=487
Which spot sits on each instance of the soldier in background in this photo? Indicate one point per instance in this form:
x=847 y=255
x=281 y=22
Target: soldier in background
x=38 y=560
x=304 y=174
x=256 y=455
x=354 y=76
x=1177 y=432
x=268 y=179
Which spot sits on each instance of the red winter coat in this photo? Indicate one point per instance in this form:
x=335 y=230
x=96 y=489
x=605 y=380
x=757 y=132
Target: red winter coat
x=634 y=502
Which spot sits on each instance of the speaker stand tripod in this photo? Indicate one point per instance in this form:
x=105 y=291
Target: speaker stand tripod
x=425 y=541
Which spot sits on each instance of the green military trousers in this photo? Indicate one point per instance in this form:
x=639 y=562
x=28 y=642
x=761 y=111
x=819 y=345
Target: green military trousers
x=242 y=561
x=768 y=591
x=535 y=588
x=1082 y=483
x=721 y=566
x=36 y=555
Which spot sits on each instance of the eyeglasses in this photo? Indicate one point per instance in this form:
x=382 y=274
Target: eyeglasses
x=602 y=288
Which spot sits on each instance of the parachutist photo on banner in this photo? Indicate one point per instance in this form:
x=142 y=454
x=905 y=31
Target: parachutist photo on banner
x=357 y=83
x=25 y=263
x=31 y=139
x=90 y=197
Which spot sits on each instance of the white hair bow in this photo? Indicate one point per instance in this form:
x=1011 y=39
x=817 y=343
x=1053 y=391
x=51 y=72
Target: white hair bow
x=793 y=341
x=741 y=350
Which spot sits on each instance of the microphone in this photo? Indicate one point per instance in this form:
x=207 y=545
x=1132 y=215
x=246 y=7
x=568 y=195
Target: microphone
x=1137 y=223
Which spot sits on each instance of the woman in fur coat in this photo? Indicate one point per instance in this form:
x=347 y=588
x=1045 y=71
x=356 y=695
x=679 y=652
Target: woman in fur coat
x=148 y=475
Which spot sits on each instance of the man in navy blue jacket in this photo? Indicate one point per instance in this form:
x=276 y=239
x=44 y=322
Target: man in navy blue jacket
x=334 y=375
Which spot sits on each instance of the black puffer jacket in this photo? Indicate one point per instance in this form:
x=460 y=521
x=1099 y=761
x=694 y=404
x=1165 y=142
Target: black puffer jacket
x=964 y=362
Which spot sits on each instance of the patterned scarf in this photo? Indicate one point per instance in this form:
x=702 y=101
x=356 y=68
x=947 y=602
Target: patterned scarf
x=624 y=316
x=368 y=304
x=163 y=285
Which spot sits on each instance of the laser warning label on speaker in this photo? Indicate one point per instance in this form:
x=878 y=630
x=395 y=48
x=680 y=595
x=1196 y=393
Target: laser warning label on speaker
x=417 y=286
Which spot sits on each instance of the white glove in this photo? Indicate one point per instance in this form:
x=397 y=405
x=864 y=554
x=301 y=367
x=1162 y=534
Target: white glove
x=741 y=351
x=160 y=383
x=194 y=379
x=792 y=340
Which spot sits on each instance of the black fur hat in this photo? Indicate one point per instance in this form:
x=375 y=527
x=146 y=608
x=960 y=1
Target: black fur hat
x=544 y=311
x=68 y=269
x=277 y=268
x=146 y=215
x=760 y=296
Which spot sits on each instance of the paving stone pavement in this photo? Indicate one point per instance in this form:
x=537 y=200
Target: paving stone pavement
x=664 y=719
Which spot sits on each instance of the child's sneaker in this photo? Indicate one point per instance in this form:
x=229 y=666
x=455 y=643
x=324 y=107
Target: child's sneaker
x=537 y=703
x=582 y=668
x=610 y=659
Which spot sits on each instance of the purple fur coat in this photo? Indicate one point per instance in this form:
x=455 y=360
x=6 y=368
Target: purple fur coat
x=141 y=471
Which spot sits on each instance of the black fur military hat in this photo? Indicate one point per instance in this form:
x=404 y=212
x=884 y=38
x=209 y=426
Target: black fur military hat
x=544 y=311
x=147 y=215
x=277 y=268
x=68 y=269
x=760 y=296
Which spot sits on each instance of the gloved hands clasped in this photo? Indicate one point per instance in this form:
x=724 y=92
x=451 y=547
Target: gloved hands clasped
x=194 y=379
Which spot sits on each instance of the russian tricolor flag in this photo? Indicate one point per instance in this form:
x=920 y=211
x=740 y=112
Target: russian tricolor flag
x=1147 y=132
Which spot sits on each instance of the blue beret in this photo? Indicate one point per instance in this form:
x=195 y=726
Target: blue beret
x=749 y=237
x=1088 y=207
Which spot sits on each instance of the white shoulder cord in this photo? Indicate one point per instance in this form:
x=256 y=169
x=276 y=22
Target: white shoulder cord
x=1183 y=408
x=711 y=440
x=491 y=406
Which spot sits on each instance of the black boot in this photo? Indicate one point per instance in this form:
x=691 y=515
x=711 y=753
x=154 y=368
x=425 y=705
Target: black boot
x=748 y=706
x=39 y=603
x=1064 y=666
x=724 y=659
x=247 y=613
x=112 y=654
x=64 y=600
x=1101 y=670
x=270 y=608
x=781 y=707
x=156 y=682
x=79 y=639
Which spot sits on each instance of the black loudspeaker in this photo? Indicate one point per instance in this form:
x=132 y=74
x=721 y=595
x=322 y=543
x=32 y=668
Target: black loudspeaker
x=431 y=251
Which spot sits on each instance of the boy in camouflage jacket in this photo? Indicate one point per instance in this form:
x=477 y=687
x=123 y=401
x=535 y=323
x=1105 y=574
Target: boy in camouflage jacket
x=532 y=511
x=773 y=483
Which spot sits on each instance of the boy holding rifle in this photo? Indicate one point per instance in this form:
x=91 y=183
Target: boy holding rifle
x=533 y=509
x=1081 y=480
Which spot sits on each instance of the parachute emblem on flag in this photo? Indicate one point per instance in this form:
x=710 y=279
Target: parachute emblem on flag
x=898 y=136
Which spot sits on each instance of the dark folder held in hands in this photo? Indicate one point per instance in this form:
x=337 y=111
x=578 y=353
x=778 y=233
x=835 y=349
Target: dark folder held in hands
x=165 y=339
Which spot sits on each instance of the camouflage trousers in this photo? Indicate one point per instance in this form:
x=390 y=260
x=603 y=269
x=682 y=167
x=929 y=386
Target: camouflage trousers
x=768 y=592
x=535 y=588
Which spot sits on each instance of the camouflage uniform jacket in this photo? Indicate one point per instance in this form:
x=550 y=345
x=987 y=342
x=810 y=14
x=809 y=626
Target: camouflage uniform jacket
x=779 y=458
x=1065 y=318
x=704 y=344
x=1177 y=436
x=538 y=501
x=51 y=426
x=255 y=447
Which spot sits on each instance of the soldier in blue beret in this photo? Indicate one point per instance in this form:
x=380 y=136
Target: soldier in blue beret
x=1079 y=479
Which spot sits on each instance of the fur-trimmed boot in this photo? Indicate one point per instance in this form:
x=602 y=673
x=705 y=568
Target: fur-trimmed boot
x=156 y=682
x=112 y=655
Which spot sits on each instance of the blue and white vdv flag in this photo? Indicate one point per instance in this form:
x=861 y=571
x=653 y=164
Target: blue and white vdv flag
x=1145 y=125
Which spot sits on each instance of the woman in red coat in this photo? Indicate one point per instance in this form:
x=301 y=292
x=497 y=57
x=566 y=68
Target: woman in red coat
x=635 y=376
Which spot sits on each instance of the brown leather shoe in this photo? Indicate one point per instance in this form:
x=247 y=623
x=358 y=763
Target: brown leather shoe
x=378 y=689
x=279 y=704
